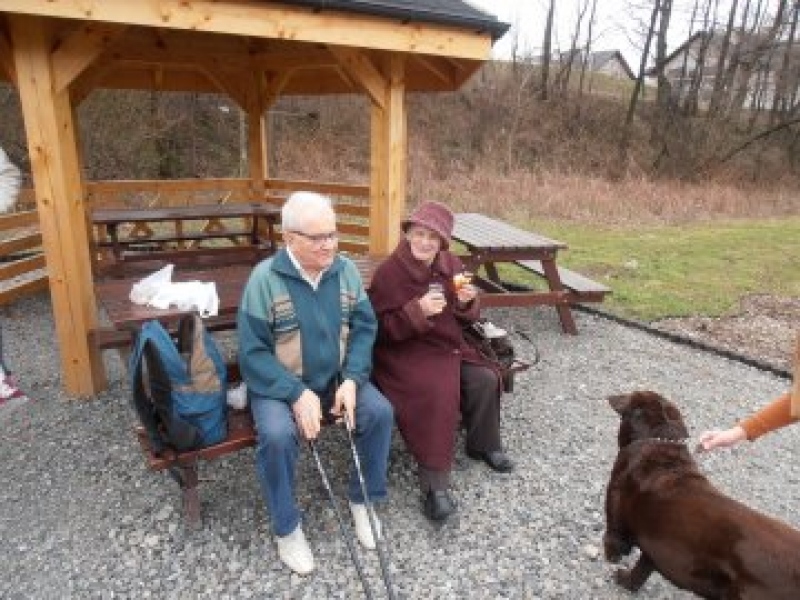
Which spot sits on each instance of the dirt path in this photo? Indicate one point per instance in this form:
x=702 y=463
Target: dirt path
x=764 y=328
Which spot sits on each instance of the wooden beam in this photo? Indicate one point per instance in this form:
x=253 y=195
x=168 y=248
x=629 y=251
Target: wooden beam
x=80 y=49
x=388 y=161
x=7 y=58
x=59 y=198
x=437 y=68
x=273 y=20
x=359 y=67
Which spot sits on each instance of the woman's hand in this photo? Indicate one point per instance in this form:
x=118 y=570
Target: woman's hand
x=466 y=294
x=709 y=440
x=432 y=303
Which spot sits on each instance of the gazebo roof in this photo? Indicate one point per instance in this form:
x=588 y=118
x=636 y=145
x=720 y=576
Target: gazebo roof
x=447 y=12
x=308 y=47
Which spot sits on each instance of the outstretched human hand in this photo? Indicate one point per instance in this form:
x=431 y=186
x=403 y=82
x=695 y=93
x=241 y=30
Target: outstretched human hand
x=709 y=440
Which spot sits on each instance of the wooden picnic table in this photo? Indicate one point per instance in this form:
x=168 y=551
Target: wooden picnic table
x=251 y=242
x=490 y=242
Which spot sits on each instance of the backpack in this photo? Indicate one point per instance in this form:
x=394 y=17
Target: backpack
x=179 y=390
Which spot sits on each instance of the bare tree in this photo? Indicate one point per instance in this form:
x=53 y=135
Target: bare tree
x=722 y=57
x=587 y=49
x=547 y=50
x=565 y=72
x=663 y=93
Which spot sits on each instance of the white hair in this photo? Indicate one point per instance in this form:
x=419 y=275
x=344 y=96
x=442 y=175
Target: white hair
x=300 y=206
x=9 y=182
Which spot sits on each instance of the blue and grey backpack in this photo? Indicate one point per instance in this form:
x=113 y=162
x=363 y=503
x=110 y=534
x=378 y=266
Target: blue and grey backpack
x=179 y=390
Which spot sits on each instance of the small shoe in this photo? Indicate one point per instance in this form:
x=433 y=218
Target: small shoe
x=363 y=529
x=439 y=505
x=496 y=459
x=10 y=394
x=293 y=550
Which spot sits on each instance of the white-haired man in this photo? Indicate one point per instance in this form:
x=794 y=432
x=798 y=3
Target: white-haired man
x=306 y=330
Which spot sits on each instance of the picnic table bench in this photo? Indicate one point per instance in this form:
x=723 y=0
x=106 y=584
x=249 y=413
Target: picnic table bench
x=156 y=236
x=490 y=242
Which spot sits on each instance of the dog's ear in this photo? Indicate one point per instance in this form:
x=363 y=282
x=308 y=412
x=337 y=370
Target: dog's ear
x=620 y=403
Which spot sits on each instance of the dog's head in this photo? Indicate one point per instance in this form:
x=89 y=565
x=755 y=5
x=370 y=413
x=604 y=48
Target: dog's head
x=646 y=415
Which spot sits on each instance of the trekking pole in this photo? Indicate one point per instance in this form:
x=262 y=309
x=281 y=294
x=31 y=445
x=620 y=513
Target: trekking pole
x=382 y=559
x=348 y=539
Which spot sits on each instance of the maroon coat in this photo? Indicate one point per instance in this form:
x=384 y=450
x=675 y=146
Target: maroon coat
x=417 y=360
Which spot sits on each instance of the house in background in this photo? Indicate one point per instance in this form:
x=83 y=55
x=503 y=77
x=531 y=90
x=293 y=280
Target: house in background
x=611 y=63
x=756 y=69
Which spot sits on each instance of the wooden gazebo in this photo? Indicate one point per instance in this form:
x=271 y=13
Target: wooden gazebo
x=57 y=51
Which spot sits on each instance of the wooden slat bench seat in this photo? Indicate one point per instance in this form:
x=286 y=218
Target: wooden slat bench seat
x=183 y=465
x=582 y=289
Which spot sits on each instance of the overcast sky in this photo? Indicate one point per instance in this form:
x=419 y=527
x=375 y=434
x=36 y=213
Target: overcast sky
x=618 y=24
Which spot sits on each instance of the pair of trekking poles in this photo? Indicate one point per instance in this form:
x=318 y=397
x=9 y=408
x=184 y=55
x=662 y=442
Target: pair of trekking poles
x=346 y=534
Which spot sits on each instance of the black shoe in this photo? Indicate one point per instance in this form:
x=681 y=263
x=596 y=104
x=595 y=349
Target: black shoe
x=496 y=459
x=439 y=505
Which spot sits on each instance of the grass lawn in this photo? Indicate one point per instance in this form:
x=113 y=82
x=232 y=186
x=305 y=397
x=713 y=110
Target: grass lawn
x=697 y=269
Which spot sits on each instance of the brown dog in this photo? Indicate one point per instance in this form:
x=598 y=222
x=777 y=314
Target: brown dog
x=687 y=530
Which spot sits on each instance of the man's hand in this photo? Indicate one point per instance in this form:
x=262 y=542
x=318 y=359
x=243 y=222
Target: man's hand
x=308 y=414
x=345 y=399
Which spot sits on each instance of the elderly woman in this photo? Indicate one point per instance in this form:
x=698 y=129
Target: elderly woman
x=422 y=364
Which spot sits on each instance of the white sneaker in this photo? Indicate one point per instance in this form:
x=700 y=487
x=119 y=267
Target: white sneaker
x=363 y=530
x=293 y=550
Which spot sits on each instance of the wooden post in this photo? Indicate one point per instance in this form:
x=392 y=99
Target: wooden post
x=388 y=161
x=60 y=203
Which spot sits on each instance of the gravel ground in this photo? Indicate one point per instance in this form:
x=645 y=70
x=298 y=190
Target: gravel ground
x=81 y=517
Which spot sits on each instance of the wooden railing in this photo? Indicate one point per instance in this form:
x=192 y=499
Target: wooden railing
x=21 y=258
x=351 y=201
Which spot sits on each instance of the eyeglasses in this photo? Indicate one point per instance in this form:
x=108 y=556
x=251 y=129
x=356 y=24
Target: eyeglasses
x=319 y=239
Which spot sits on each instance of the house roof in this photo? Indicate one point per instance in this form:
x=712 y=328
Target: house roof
x=444 y=12
x=599 y=59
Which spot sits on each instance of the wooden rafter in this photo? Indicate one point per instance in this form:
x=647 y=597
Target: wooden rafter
x=443 y=72
x=7 y=58
x=359 y=67
x=82 y=47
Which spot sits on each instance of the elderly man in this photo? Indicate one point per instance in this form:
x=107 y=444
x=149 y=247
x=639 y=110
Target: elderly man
x=306 y=331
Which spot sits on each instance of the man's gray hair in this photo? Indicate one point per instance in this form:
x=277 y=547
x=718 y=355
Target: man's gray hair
x=301 y=206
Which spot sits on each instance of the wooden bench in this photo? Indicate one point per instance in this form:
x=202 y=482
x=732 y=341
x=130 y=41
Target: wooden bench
x=581 y=288
x=182 y=466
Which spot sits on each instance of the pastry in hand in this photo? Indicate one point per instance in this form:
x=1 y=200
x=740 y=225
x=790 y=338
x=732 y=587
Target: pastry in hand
x=462 y=279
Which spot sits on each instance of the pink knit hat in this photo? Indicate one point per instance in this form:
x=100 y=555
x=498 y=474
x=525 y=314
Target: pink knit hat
x=434 y=216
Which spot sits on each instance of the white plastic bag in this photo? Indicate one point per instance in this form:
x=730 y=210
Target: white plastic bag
x=188 y=295
x=147 y=288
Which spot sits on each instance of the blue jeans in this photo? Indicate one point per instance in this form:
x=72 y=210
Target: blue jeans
x=279 y=447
